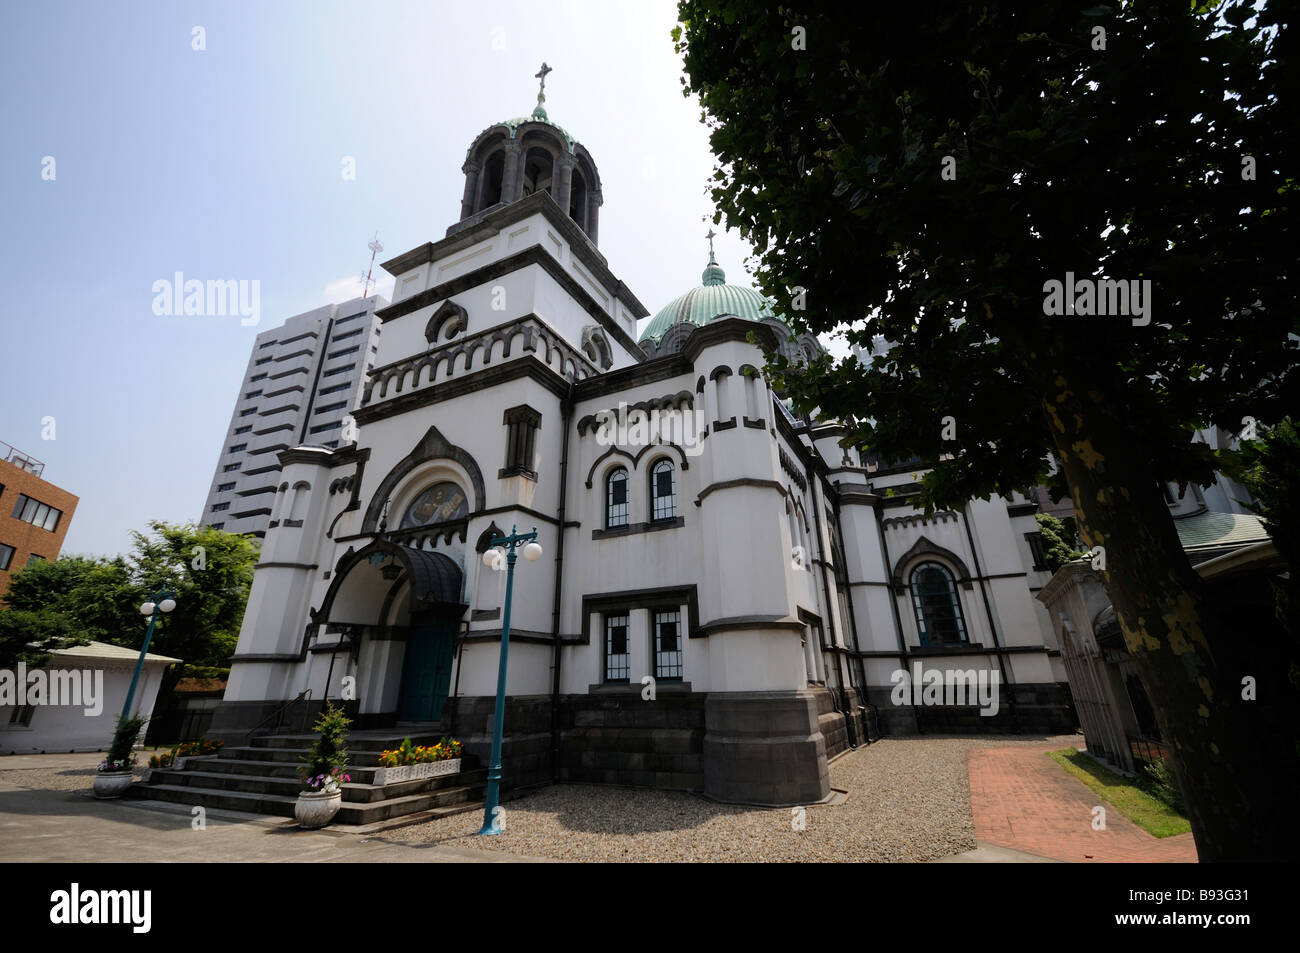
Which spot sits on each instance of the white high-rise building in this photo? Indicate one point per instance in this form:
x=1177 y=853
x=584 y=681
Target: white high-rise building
x=302 y=383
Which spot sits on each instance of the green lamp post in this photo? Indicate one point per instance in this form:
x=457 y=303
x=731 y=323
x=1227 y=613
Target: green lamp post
x=493 y=558
x=160 y=601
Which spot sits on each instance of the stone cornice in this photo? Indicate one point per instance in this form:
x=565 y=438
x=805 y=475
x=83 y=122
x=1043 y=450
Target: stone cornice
x=579 y=244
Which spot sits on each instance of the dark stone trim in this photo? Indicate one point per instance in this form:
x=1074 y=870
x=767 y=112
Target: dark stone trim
x=923 y=548
x=664 y=597
x=535 y=514
x=432 y=446
x=286 y=566
x=485 y=615
x=580 y=245
x=605 y=456
x=633 y=529
x=742 y=481
x=756 y=424
x=727 y=424
x=516 y=635
x=460 y=386
x=293 y=524
x=940 y=651
x=1022 y=509
x=450 y=311
x=722 y=370
x=269 y=657
x=732 y=623
x=532 y=255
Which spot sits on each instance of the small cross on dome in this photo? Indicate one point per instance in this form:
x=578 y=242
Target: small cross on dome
x=540 y=111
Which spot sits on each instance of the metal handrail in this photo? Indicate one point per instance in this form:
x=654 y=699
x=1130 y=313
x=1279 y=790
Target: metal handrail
x=305 y=693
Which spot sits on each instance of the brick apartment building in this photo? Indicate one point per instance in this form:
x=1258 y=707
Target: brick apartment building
x=34 y=514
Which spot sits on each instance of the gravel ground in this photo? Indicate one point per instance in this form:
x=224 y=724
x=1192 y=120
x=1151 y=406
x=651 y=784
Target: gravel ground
x=908 y=800
x=74 y=773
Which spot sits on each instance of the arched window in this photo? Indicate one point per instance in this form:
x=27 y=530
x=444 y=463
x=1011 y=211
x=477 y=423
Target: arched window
x=493 y=176
x=538 y=167
x=616 y=498
x=663 y=491
x=938 y=610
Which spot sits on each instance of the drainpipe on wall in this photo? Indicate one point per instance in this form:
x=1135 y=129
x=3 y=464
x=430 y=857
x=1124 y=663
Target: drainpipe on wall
x=893 y=596
x=566 y=417
x=988 y=610
x=853 y=617
x=830 y=610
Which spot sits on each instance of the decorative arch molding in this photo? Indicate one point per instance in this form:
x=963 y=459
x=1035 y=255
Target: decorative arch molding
x=485 y=538
x=612 y=451
x=749 y=370
x=596 y=346
x=448 y=321
x=722 y=370
x=682 y=400
x=924 y=549
x=435 y=579
x=699 y=385
x=664 y=447
x=919 y=519
x=432 y=446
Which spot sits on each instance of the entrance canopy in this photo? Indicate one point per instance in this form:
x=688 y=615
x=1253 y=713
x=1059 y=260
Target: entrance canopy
x=434 y=579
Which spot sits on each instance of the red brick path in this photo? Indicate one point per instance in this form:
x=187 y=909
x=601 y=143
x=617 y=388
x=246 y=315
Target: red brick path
x=1021 y=798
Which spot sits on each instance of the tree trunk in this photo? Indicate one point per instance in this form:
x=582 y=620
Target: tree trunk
x=1235 y=759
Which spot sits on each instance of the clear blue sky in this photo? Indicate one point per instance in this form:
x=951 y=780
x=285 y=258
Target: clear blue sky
x=226 y=163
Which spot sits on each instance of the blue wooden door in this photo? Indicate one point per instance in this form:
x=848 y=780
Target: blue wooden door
x=426 y=673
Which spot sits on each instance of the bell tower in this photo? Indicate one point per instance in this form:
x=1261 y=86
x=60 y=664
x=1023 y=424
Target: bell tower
x=514 y=159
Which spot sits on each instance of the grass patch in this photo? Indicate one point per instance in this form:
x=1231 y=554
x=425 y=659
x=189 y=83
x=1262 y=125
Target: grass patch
x=1126 y=795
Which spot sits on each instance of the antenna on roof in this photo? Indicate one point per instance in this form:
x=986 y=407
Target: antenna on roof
x=375 y=248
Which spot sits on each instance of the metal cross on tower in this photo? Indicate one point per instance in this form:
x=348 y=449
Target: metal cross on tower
x=710 y=237
x=540 y=110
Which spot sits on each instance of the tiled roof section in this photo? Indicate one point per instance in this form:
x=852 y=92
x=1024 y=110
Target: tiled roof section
x=102 y=650
x=1215 y=530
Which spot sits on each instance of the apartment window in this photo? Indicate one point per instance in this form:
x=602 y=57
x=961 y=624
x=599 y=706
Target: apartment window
x=224 y=487
x=346 y=350
x=238 y=447
x=265 y=344
x=616 y=499
x=938 y=610
x=668 y=645
x=328 y=407
x=6 y=555
x=35 y=558
x=231 y=467
x=37 y=513
x=335 y=389
x=325 y=427
x=346 y=334
x=617 y=660
x=249 y=412
x=257 y=377
x=251 y=394
x=339 y=370
x=350 y=317
x=244 y=429
x=262 y=360
x=663 y=491
x=216 y=525
x=220 y=507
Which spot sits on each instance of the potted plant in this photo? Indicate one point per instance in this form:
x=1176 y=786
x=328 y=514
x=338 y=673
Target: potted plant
x=114 y=772
x=322 y=772
x=396 y=764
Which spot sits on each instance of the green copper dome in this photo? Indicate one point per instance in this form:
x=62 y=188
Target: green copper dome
x=712 y=299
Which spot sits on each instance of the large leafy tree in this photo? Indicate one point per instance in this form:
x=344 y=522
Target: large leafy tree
x=922 y=172
x=68 y=601
x=80 y=598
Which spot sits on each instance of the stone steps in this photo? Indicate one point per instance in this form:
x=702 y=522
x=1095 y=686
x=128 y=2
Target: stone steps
x=262 y=778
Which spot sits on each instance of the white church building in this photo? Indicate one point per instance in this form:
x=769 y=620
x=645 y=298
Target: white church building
x=772 y=585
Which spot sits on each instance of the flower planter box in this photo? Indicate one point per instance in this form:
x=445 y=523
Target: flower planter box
x=417 y=772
